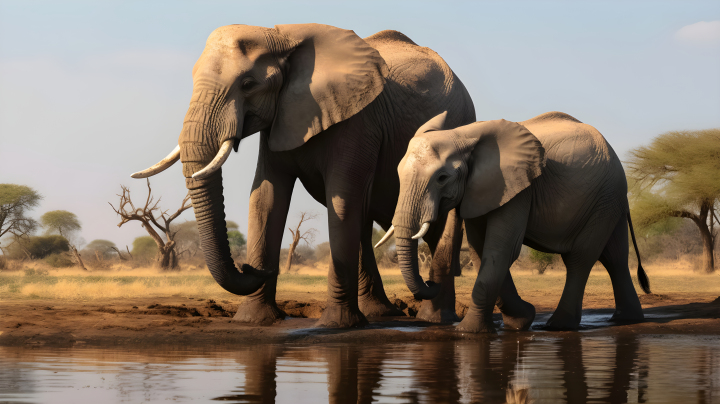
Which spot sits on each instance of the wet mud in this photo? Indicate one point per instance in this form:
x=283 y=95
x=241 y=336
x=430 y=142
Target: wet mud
x=197 y=322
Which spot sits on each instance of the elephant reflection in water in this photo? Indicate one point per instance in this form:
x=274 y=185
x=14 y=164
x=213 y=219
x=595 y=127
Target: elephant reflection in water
x=489 y=370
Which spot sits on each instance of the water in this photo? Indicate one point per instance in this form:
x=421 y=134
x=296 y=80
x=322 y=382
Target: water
x=574 y=368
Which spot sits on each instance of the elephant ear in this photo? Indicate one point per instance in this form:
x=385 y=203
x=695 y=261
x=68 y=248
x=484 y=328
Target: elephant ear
x=332 y=74
x=505 y=159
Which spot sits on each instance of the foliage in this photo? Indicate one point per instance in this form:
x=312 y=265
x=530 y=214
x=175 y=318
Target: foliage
x=144 y=248
x=38 y=247
x=236 y=239
x=15 y=202
x=678 y=175
x=542 y=260
x=103 y=248
x=58 y=260
x=60 y=222
x=322 y=252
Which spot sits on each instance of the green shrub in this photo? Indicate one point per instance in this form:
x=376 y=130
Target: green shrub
x=144 y=248
x=542 y=260
x=58 y=261
x=36 y=272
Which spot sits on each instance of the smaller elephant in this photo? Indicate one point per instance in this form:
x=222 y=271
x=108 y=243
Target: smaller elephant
x=551 y=183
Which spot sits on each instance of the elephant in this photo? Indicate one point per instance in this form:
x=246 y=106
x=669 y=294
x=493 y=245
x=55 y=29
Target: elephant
x=336 y=112
x=551 y=183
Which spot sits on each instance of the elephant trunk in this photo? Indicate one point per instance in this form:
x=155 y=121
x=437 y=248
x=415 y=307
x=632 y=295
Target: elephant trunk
x=407 y=251
x=204 y=130
x=208 y=203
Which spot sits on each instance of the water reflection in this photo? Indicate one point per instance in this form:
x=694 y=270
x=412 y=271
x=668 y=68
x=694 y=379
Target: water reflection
x=512 y=368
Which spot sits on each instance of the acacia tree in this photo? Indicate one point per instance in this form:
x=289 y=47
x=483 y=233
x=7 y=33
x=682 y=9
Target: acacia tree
x=151 y=215
x=308 y=237
x=678 y=175
x=15 y=202
x=66 y=224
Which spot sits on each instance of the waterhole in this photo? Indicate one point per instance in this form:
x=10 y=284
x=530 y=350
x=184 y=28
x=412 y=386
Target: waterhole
x=515 y=368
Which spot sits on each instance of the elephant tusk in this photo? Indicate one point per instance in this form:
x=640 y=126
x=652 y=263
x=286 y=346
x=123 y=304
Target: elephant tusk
x=423 y=230
x=385 y=238
x=164 y=164
x=217 y=162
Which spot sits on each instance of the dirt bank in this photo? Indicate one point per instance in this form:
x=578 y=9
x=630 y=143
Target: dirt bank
x=182 y=321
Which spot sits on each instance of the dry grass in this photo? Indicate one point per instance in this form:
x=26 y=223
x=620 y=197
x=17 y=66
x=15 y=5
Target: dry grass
x=72 y=284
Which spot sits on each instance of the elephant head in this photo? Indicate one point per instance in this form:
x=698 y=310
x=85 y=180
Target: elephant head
x=477 y=167
x=291 y=82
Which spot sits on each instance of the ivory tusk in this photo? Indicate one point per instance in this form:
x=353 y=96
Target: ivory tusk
x=385 y=238
x=164 y=164
x=423 y=230
x=217 y=162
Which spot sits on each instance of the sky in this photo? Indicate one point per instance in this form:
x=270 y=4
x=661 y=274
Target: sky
x=91 y=92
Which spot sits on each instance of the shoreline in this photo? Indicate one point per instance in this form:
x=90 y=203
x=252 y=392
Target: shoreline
x=188 y=323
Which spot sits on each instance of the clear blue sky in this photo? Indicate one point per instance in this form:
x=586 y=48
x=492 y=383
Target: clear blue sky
x=93 y=91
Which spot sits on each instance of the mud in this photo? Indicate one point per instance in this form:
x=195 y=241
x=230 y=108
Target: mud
x=187 y=322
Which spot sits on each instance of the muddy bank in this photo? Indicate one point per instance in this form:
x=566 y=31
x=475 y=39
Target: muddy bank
x=194 y=322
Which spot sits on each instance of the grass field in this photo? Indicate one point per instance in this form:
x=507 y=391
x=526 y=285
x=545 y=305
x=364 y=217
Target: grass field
x=309 y=283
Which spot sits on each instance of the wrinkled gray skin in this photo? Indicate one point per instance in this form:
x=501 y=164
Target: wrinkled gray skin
x=552 y=183
x=336 y=112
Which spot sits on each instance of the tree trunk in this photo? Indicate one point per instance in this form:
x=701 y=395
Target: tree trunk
x=291 y=251
x=77 y=257
x=708 y=261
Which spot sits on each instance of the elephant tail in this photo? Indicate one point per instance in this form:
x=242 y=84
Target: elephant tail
x=642 y=276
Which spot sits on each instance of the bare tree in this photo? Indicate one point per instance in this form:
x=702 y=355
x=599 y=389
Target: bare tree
x=308 y=237
x=166 y=257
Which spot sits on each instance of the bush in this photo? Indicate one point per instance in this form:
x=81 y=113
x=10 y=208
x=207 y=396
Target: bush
x=144 y=248
x=322 y=252
x=58 y=260
x=38 y=246
x=542 y=260
x=36 y=272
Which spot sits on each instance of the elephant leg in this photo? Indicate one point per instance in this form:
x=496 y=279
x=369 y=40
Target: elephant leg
x=578 y=263
x=517 y=313
x=269 y=205
x=372 y=300
x=348 y=192
x=444 y=242
x=501 y=233
x=615 y=259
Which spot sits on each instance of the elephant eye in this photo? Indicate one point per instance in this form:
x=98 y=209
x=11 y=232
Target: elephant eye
x=442 y=178
x=248 y=84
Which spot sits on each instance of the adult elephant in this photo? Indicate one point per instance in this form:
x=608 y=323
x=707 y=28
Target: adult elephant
x=335 y=111
x=492 y=171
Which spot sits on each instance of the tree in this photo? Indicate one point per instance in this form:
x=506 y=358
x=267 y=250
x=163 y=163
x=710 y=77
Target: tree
x=237 y=243
x=678 y=175
x=165 y=257
x=308 y=237
x=100 y=249
x=542 y=260
x=66 y=224
x=145 y=248
x=15 y=202
x=38 y=247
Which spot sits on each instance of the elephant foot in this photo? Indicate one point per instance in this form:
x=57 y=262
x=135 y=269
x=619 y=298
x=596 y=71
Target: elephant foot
x=561 y=320
x=338 y=316
x=519 y=317
x=259 y=312
x=372 y=306
x=476 y=323
x=433 y=313
x=627 y=317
